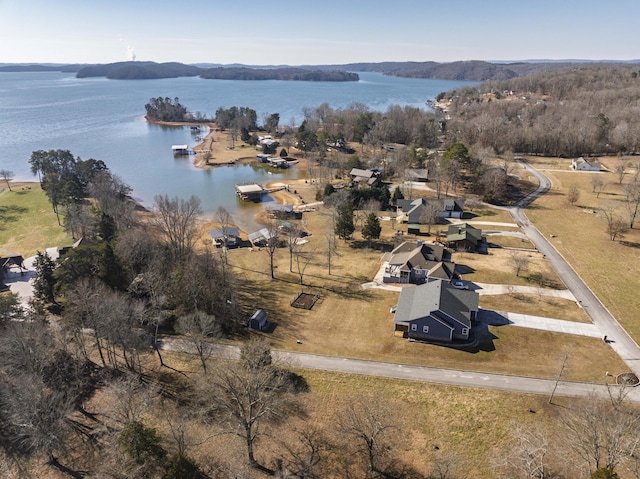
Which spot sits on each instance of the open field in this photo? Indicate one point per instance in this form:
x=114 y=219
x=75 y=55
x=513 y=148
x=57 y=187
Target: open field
x=27 y=222
x=610 y=268
x=544 y=306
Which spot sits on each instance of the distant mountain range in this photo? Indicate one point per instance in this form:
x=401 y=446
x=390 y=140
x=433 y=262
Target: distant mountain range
x=472 y=70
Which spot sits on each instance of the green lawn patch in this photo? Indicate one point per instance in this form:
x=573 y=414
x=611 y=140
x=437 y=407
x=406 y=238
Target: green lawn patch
x=27 y=221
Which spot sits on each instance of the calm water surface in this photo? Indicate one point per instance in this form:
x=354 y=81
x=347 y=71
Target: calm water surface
x=103 y=119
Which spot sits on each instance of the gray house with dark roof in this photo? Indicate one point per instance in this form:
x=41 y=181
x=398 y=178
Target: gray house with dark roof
x=464 y=237
x=435 y=311
x=414 y=209
x=416 y=262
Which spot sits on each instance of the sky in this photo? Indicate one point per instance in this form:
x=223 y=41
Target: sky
x=301 y=32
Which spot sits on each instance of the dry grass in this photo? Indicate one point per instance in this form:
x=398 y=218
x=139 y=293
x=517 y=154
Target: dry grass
x=537 y=305
x=608 y=267
x=497 y=268
x=475 y=423
x=510 y=242
x=350 y=321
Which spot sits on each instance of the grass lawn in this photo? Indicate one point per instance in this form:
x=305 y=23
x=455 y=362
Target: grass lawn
x=27 y=221
x=350 y=321
x=610 y=268
x=497 y=268
x=510 y=242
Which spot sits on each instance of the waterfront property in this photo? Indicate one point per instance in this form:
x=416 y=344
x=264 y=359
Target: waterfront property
x=181 y=150
x=262 y=236
x=250 y=192
x=228 y=236
x=436 y=312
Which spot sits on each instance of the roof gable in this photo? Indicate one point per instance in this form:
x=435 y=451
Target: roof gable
x=431 y=298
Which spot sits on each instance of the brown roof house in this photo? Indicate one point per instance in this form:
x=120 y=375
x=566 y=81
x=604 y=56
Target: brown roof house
x=435 y=312
x=417 y=262
x=360 y=177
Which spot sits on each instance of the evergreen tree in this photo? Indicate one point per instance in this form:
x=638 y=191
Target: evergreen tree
x=43 y=281
x=397 y=195
x=372 y=228
x=344 y=227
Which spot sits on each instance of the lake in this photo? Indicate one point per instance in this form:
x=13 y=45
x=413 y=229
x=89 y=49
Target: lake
x=104 y=119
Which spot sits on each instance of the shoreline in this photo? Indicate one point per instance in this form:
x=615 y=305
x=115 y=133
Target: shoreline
x=211 y=151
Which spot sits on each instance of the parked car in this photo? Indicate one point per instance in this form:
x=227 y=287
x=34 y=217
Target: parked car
x=459 y=284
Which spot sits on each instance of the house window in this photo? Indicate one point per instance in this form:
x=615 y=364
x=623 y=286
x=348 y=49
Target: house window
x=465 y=330
x=425 y=329
x=414 y=327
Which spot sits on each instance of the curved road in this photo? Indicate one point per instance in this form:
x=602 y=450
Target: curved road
x=617 y=337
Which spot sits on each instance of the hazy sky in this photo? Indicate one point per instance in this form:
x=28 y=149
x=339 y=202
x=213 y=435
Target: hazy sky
x=319 y=32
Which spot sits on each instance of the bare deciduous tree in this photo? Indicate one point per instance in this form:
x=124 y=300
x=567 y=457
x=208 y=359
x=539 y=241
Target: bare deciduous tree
x=519 y=262
x=597 y=185
x=527 y=455
x=242 y=397
x=429 y=215
x=272 y=244
x=632 y=200
x=621 y=169
x=177 y=220
x=603 y=433
x=573 y=194
x=366 y=422
x=7 y=176
x=303 y=258
x=197 y=327
x=616 y=226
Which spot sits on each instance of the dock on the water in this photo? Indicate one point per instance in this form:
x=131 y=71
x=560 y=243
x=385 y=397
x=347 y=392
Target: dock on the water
x=252 y=191
x=181 y=150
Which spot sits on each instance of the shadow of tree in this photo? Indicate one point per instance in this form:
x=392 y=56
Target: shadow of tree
x=11 y=214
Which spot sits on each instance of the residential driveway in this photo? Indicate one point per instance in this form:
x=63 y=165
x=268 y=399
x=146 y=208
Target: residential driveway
x=619 y=340
x=378 y=282
x=491 y=289
x=20 y=281
x=503 y=318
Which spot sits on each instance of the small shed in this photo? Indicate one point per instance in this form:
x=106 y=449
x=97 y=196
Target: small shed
x=259 y=321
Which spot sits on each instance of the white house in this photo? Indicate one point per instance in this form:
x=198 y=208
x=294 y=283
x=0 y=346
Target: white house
x=580 y=164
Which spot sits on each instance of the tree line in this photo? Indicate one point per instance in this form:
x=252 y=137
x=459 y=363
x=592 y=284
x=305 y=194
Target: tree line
x=587 y=110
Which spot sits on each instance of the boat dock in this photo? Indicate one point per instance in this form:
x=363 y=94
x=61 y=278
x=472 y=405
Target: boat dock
x=182 y=150
x=254 y=191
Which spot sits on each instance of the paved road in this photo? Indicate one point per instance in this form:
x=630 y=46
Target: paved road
x=618 y=338
x=451 y=377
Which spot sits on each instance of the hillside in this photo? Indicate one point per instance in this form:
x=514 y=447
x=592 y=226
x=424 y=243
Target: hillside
x=297 y=74
x=472 y=70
